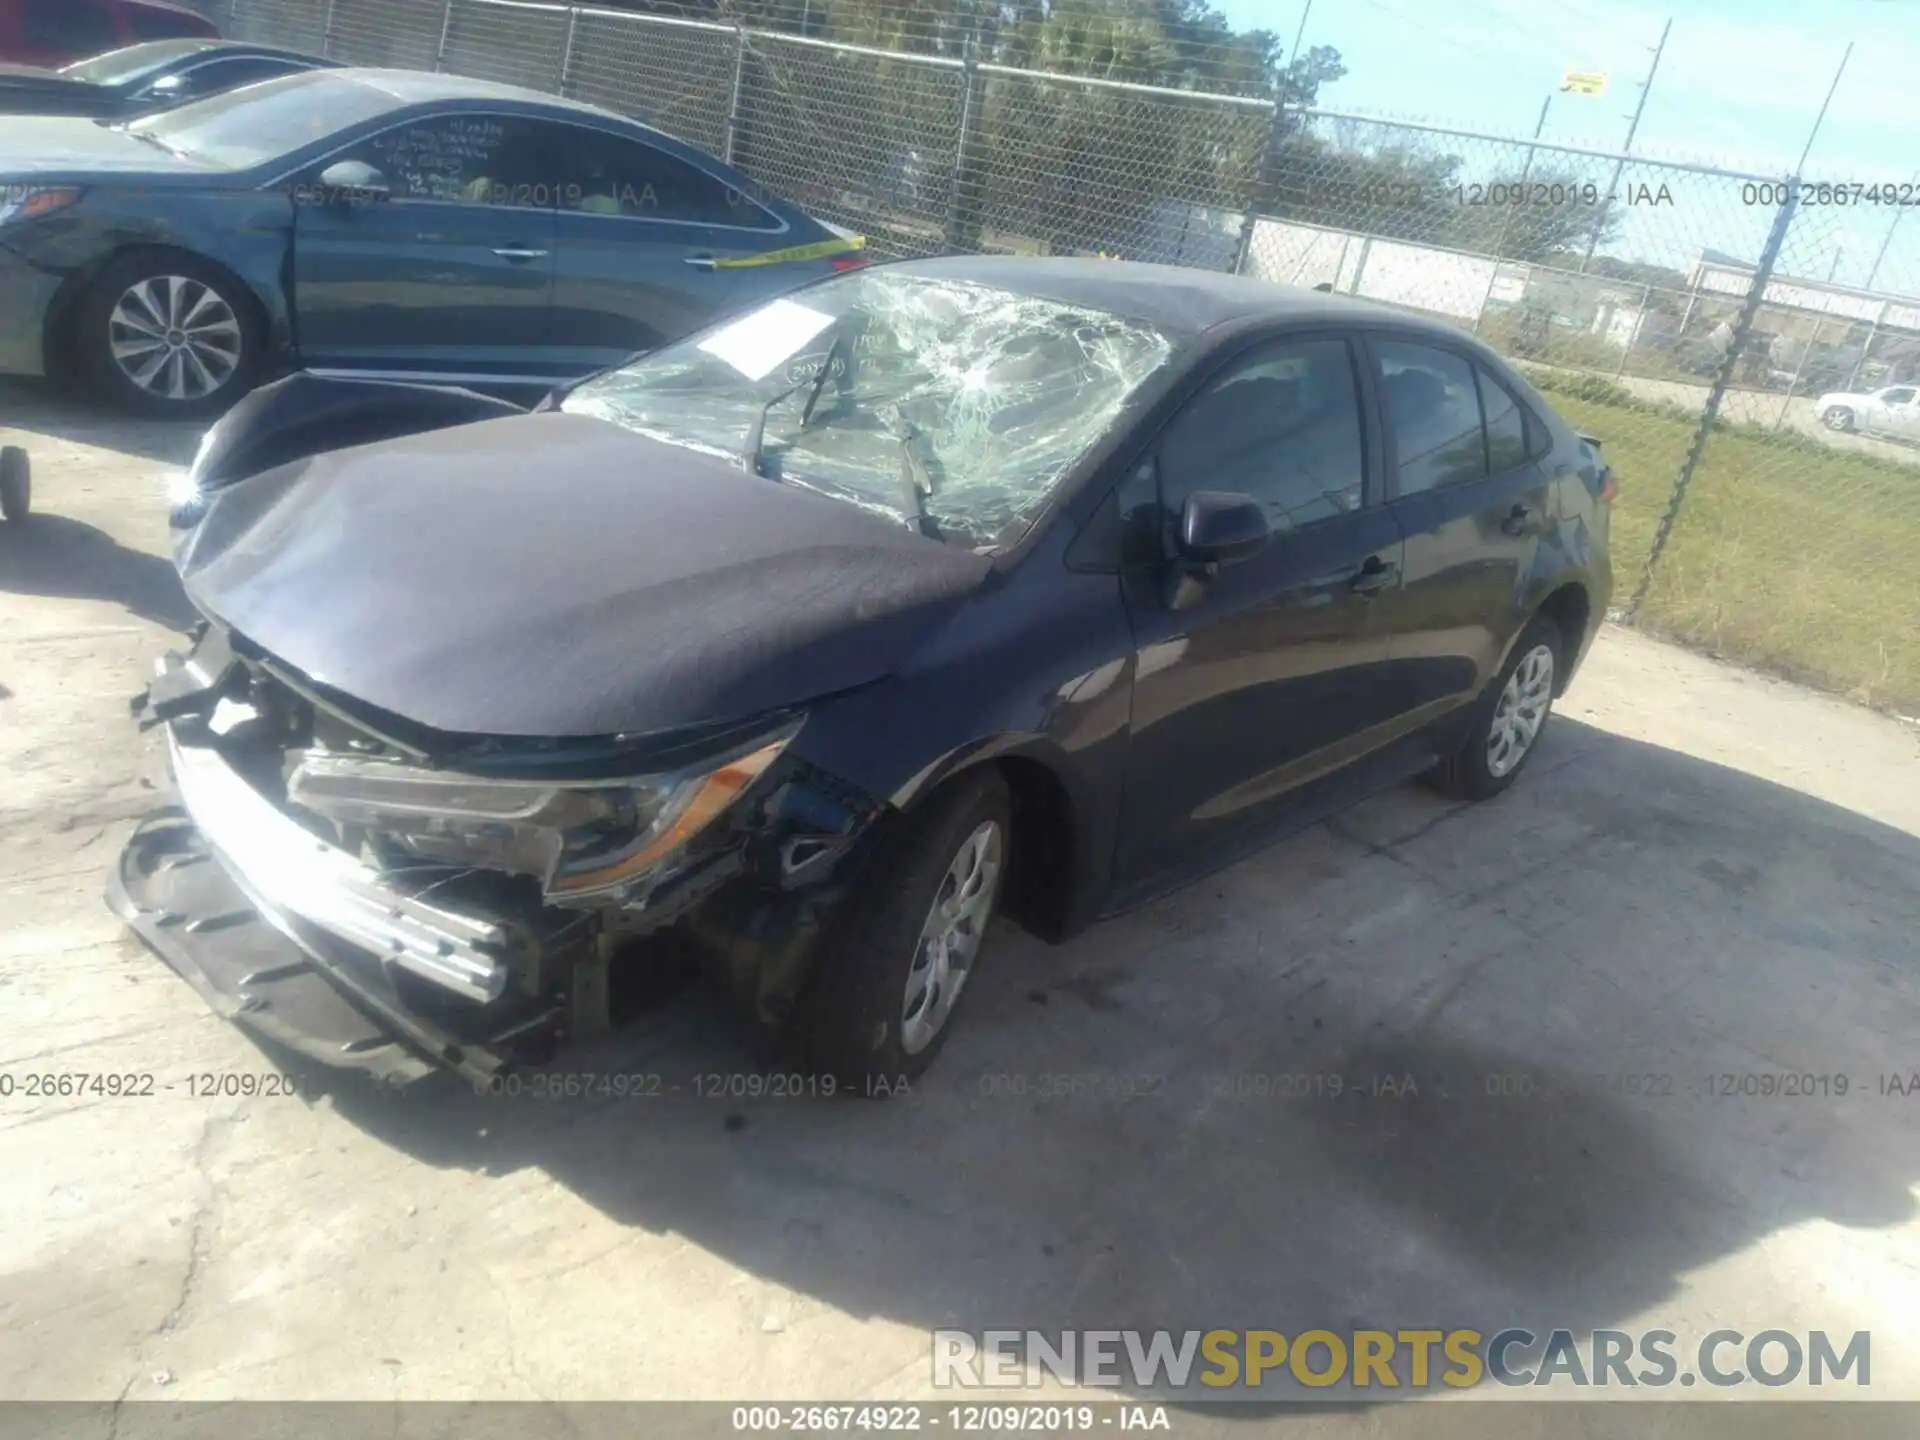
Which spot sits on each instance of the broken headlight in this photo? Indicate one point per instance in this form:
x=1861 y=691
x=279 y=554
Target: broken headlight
x=580 y=839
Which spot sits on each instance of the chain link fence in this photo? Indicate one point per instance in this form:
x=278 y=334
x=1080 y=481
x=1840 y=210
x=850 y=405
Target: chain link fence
x=1691 y=316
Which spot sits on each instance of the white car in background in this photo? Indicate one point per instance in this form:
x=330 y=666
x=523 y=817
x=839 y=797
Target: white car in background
x=1893 y=411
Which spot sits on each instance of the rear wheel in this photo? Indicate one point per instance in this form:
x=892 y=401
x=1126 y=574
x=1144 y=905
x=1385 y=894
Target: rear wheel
x=168 y=335
x=16 y=484
x=1509 y=716
x=882 y=1001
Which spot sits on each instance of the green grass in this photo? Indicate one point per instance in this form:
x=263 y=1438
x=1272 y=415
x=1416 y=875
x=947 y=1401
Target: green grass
x=1786 y=555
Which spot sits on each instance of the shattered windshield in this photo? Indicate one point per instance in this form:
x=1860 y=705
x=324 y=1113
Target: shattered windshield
x=949 y=406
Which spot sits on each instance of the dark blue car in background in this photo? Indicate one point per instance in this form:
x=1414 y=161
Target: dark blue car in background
x=382 y=223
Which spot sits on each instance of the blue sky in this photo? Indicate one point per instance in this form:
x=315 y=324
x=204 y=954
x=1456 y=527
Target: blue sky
x=1739 y=85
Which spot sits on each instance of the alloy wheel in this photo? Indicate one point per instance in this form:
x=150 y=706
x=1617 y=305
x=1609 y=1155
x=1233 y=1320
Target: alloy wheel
x=951 y=936
x=1521 y=712
x=175 y=337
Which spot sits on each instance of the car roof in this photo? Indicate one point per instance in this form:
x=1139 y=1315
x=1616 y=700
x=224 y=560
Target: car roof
x=424 y=87
x=1171 y=297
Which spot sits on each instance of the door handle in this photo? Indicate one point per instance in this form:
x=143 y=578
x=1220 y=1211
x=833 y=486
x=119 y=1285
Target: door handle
x=1374 y=576
x=517 y=253
x=701 y=262
x=1519 y=521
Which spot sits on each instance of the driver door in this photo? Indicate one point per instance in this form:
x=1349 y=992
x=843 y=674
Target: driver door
x=1275 y=676
x=450 y=277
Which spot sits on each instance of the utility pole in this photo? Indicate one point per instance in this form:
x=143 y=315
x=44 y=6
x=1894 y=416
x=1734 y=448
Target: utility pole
x=1506 y=220
x=1800 y=169
x=1299 y=37
x=1633 y=127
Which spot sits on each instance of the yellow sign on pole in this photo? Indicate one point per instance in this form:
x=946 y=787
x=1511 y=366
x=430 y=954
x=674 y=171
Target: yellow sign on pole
x=1584 y=82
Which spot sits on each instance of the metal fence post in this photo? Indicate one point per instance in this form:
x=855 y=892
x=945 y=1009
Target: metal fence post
x=446 y=29
x=1866 y=348
x=739 y=79
x=1799 y=366
x=1260 y=193
x=962 y=235
x=564 y=84
x=1723 y=377
x=326 y=33
x=1633 y=335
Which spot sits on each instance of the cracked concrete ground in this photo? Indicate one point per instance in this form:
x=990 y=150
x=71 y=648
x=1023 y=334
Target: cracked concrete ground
x=1706 y=872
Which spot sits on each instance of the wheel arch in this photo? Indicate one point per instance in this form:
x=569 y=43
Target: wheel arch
x=1570 y=607
x=1049 y=890
x=60 y=339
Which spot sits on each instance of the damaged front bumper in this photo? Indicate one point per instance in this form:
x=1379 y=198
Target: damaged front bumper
x=309 y=945
x=265 y=966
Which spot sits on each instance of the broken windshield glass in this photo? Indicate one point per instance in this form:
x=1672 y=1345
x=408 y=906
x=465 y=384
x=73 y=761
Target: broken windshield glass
x=1000 y=392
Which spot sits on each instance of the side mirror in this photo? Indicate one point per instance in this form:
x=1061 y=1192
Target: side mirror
x=1218 y=528
x=352 y=182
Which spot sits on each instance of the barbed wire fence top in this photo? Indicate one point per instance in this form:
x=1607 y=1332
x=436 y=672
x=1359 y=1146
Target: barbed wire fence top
x=1684 y=312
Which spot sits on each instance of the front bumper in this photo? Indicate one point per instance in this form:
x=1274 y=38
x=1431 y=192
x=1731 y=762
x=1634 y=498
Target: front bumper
x=26 y=296
x=299 y=942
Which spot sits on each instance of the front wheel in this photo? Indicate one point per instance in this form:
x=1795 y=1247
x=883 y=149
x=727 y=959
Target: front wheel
x=1838 y=417
x=168 y=335
x=882 y=1000
x=1509 y=717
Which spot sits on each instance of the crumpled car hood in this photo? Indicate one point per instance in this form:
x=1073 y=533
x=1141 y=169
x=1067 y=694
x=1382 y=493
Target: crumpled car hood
x=557 y=575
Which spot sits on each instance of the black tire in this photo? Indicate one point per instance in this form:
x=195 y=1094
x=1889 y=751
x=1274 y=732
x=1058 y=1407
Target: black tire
x=171 y=273
x=16 y=484
x=1473 y=772
x=1838 y=417
x=851 y=1020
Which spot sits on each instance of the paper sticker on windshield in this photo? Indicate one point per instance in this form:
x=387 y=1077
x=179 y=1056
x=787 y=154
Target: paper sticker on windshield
x=757 y=343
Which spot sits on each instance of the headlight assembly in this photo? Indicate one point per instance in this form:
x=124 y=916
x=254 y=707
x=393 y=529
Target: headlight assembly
x=29 y=202
x=581 y=839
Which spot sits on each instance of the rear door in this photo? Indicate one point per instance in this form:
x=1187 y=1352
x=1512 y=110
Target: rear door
x=1272 y=678
x=453 y=275
x=649 y=246
x=1472 y=503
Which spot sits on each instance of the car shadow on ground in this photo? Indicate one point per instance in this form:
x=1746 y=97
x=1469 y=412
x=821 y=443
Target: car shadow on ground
x=1432 y=1065
x=55 y=555
x=40 y=407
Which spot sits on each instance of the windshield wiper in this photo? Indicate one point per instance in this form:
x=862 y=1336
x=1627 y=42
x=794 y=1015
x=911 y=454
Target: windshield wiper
x=756 y=436
x=916 y=479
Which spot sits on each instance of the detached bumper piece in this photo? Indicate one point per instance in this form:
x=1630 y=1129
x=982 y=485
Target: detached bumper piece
x=299 y=941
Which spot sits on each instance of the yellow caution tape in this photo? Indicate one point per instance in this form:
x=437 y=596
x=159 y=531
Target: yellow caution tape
x=819 y=250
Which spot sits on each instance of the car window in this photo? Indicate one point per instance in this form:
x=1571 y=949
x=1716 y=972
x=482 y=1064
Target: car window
x=467 y=159
x=1433 y=414
x=243 y=128
x=1898 y=397
x=605 y=174
x=966 y=403
x=1281 y=425
x=219 y=75
x=82 y=26
x=1507 y=446
x=131 y=62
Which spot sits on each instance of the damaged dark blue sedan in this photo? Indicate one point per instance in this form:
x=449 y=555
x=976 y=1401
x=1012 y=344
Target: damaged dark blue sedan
x=925 y=594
